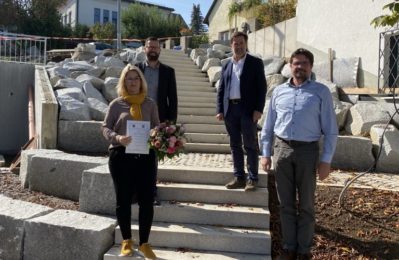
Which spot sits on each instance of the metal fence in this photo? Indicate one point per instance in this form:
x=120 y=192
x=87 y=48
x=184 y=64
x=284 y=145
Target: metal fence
x=23 y=48
x=388 y=66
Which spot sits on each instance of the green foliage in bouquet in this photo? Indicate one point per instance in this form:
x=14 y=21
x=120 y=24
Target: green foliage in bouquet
x=167 y=140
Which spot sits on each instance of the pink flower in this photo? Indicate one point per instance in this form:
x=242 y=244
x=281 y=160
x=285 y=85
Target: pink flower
x=157 y=144
x=171 y=150
x=172 y=139
x=170 y=129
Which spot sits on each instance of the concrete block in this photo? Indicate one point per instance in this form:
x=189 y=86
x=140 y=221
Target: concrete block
x=60 y=175
x=388 y=142
x=81 y=136
x=353 y=152
x=13 y=213
x=26 y=159
x=65 y=234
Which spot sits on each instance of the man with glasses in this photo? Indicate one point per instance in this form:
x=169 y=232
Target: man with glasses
x=301 y=111
x=161 y=82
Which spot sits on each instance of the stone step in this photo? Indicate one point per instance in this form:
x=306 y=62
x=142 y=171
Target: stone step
x=194 y=87
x=201 y=175
x=213 y=194
x=208 y=214
x=205 y=128
x=192 y=104
x=188 y=69
x=197 y=99
x=196 y=94
x=204 y=84
x=196 y=73
x=185 y=254
x=200 y=111
x=207 y=148
x=187 y=79
x=205 y=237
x=176 y=64
x=207 y=138
x=190 y=119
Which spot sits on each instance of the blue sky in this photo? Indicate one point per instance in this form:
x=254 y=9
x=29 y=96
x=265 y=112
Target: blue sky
x=184 y=7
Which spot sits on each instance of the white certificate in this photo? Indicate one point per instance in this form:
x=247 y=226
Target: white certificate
x=140 y=132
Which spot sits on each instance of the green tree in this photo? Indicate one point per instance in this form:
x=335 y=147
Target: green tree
x=104 y=32
x=274 y=12
x=197 y=25
x=388 y=19
x=140 y=21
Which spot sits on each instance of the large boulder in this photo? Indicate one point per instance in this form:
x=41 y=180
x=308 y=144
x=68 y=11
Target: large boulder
x=56 y=73
x=72 y=109
x=98 y=106
x=77 y=66
x=341 y=110
x=214 y=73
x=385 y=139
x=95 y=81
x=197 y=52
x=221 y=47
x=200 y=61
x=362 y=116
x=67 y=83
x=273 y=65
x=273 y=81
x=109 y=90
x=210 y=63
x=112 y=71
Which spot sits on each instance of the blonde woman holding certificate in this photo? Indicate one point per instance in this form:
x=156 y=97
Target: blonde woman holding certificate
x=133 y=174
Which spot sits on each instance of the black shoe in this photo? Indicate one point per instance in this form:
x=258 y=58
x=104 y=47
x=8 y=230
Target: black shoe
x=287 y=255
x=236 y=183
x=251 y=185
x=157 y=201
x=307 y=256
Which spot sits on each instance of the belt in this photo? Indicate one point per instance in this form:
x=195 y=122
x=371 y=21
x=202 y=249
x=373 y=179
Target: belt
x=295 y=143
x=234 y=101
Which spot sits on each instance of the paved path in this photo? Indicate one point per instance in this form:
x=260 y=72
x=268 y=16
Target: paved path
x=338 y=178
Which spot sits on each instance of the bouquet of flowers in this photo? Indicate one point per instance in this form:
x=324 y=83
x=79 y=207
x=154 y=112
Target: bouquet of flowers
x=167 y=140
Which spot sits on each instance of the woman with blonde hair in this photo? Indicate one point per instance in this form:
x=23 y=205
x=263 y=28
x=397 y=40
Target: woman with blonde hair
x=133 y=175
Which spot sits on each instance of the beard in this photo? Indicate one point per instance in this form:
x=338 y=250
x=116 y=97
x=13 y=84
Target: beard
x=152 y=56
x=301 y=74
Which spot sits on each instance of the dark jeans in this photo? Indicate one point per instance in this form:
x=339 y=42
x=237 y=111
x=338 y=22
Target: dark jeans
x=242 y=129
x=295 y=173
x=133 y=177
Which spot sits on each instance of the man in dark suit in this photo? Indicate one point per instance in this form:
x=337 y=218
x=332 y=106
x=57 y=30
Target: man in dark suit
x=161 y=81
x=240 y=102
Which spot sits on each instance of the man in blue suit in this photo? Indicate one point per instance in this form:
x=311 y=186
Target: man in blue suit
x=240 y=102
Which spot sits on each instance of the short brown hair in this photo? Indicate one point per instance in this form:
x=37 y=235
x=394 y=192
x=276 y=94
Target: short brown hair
x=304 y=52
x=239 y=34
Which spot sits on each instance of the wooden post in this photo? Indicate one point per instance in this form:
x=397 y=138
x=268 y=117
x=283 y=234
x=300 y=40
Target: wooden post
x=31 y=115
x=331 y=63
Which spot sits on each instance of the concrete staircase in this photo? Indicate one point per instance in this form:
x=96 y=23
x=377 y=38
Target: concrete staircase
x=197 y=106
x=199 y=218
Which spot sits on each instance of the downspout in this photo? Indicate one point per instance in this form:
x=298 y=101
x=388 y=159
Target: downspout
x=77 y=13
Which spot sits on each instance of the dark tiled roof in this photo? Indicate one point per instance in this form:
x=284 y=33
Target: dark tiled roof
x=206 y=19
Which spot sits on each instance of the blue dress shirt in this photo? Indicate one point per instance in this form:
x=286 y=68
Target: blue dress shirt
x=303 y=113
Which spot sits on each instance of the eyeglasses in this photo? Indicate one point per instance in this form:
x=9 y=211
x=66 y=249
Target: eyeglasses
x=133 y=78
x=300 y=63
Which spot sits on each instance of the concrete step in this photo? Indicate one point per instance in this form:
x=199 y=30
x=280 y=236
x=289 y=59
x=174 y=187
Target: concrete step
x=188 y=69
x=176 y=64
x=187 y=78
x=185 y=254
x=205 y=128
x=205 y=237
x=190 y=119
x=188 y=87
x=207 y=148
x=196 y=94
x=194 y=73
x=213 y=194
x=200 y=111
x=208 y=214
x=192 y=104
x=204 y=84
x=207 y=138
x=209 y=100
x=201 y=175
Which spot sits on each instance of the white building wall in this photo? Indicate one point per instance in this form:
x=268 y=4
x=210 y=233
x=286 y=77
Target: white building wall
x=344 y=26
x=70 y=6
x=278 y=40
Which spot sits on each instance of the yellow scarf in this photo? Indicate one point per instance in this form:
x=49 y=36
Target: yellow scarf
x=135 y=102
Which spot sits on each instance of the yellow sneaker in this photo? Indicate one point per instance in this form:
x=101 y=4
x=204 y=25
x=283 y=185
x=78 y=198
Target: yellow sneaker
x=127 y=248
x=146 y=250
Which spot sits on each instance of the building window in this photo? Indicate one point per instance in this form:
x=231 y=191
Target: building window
x=70 y=18
x=114 y=17
x=105 y=16
x=224 y=36
x=65 y=19
x=97 y=13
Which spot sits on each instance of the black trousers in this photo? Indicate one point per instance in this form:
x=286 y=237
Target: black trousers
x=133 y=177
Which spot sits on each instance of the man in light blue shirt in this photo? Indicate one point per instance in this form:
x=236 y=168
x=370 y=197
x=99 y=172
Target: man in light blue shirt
x=301 y=111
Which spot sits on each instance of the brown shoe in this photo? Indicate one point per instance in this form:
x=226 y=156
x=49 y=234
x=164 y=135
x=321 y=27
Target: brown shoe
x=251 y=185
x=287 y=255
x=236 y=183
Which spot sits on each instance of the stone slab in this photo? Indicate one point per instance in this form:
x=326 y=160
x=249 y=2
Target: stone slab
x=60 y=175
x=65 y=234
x=81 y=136
x=13 y=214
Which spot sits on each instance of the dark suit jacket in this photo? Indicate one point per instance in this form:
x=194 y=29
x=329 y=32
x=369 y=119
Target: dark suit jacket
x=252 y=86
x=167 y=92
